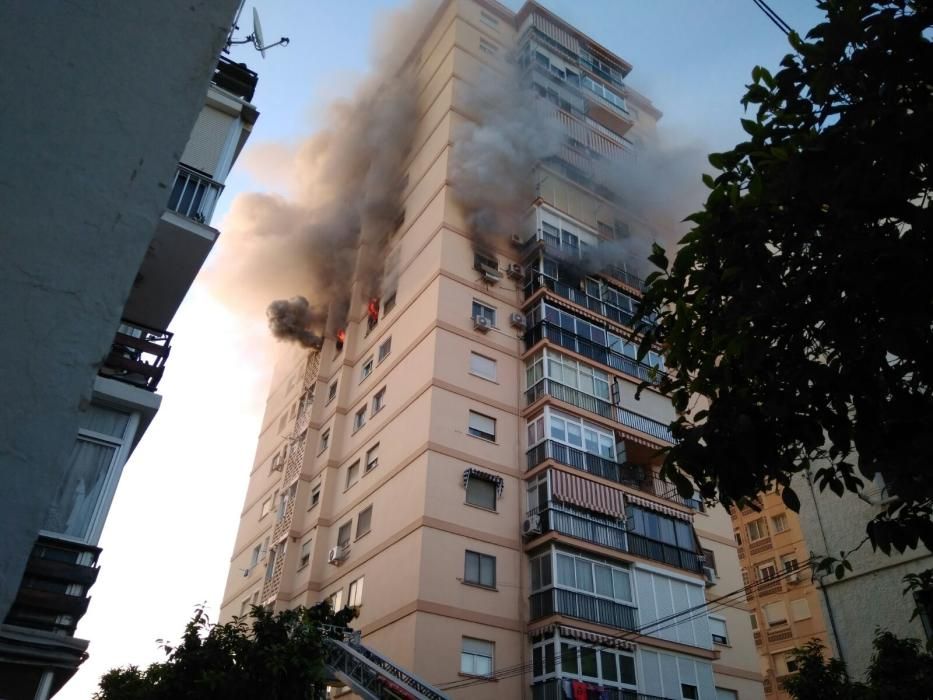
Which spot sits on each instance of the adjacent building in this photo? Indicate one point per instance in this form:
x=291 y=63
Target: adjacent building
x=466 y=462
x=787 y=611
x=108 y=222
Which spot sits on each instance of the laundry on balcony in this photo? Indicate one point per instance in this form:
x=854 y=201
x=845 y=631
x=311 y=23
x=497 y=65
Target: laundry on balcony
x=587 y=494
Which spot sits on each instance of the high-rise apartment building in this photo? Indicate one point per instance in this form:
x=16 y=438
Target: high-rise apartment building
x=93 y=276
x=786 y=607
x=465 y=462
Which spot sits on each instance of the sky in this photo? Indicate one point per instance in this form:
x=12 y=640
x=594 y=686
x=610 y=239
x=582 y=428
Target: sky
x=169 y=535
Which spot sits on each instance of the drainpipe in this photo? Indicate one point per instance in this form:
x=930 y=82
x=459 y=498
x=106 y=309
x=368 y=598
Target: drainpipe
x=820 y=577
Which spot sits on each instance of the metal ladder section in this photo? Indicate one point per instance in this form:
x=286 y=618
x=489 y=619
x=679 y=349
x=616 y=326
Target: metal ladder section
x=371 y=675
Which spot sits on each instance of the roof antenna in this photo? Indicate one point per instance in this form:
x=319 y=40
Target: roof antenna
x=256 y=38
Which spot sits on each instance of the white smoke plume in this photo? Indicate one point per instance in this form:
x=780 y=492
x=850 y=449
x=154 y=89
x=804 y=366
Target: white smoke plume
x=345 y=197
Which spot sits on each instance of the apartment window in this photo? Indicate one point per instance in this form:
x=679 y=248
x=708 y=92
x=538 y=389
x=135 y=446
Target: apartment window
x=353 y=474
x=476 y=657
x=726 y=694
x=536 y=431
x=335 y=600
x=592 y=577
x=482 y=310
x=372 y=458
x=583 y=435
x=331 y=392
x=710 y=559
x=800 y=609
x=480 y=569
x=767 y=571
x=267 y=506
x=315 y=496
x=359 y=419
x=343 y=534
x=244 y=607
x=488 y=47
x=367 y=368
x=273 y=555
x=481 y=492
x=388 y=304
x=717 y=628
x=775 y=613
x=757 y=530
x=364 y=522
x=790 y=663
x=779 y=522
x=325 y=441
x=482 y=366
x=379 y=400
x=482 y=426
x=384 y=349
x=254 y=557
x=745 y=578
x=738 y=538
x=753 y=618
x=488 y=19
x=355 y=593
x=789 y=562
x=305 y=555
x=689 y=692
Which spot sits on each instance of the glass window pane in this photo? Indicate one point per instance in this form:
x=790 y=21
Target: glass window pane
x=603 y=580
x=81 y=488
x=621 y=585
x=584 y=572
x=627 y=669
x=487 y=571
x=471 y=568
x=565 y=571
x=574 y=436
x=588 y=662
x=481 y=493
x=667 y=530
x=608 y=669
x=568 y=659
x=105 y=421
x=537 y=662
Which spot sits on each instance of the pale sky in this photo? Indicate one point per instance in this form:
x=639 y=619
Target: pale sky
x=170 y=532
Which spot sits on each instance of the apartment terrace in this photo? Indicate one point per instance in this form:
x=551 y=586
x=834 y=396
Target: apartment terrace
x=138 y=355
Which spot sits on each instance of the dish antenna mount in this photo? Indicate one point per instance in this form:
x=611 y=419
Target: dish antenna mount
x=256 y=38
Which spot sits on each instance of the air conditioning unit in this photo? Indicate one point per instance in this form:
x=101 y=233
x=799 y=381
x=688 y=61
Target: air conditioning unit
x=337 y=554
x=490 y=275
x=517 y=320
x=515 y=271
x=481 y=324
x=246 y=572
x=531 y=525
x=794 y=577
x=710 y=574
x=517 y=240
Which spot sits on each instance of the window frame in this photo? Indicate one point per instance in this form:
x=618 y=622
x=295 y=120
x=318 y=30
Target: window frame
x=760 y=526
x=378 y=402
x=479 y=503
x=366 y=369
x=353 y=475
x=477 y=432
x=721 y=639
x=474 y=654
x=480 y=558
x=477 y=373
x=359 y=418
x=370 y=462
x=324 y=442
x=485 y=310
x=304 y=555
x=332 y=391
x=355 y=593
x=368 y=511
x=384 y=350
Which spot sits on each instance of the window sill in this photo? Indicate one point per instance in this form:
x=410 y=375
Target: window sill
x=488 y=679
x=301 y=568
x=485 y=379
x=491 y=441
x=480 y=586
x=359 y=537
x=483 y=508
x=357 y=429
x=376 y=412
x=350 y=486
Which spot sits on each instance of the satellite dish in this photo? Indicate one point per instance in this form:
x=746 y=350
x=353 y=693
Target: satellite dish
x=257 y=34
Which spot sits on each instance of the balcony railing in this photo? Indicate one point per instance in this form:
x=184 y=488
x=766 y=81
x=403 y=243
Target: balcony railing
x=627 y=277
x=574 y=397
x=602 y=611
x=578 y=296
x=235 y=78
x=138 y=355
x=551 y=690
x=632 y=476
x=53 y=593
x=592 y=351
x=194 y=195
x=608 y=532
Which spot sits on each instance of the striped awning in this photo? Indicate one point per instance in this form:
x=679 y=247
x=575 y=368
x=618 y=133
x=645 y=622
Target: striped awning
x=475 y=473
x=568 y=632
x=631 y=436
x=587 y=494
x=658 y=508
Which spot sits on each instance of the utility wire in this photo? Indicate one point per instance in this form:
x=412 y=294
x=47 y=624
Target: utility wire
x=773 y=16
x=653 y=627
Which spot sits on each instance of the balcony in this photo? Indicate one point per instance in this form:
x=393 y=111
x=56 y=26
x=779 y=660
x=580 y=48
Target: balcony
x=137 y=356
x=592 y=351
x=53 y=593
x=602 y=611
x=634 y=477
x=574 y=397
x=626 y=277
x=551 y=690
x=235 y=78
x=194 y=194
x=619 y=316
x=609 y=532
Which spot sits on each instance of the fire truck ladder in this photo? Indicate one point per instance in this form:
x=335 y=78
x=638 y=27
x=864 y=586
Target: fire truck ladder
x=371 y=675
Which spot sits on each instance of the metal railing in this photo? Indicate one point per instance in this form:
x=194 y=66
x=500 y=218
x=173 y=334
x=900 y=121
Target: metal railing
x=600 y=407
x=593 y=351
x=602 y=611
x=194 y=194
x=625 y=276
x=235 y=78
x=138 y=355
x=551 y=690
x=609 y=532
x=622 y=317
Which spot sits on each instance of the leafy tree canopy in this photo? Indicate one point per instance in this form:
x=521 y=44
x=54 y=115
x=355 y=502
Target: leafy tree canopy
x=277 y=656
x=799 y=308
x=899 y=669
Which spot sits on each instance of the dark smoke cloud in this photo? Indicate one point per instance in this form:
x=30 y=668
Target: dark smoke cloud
x=294 y=319
x=344 y=199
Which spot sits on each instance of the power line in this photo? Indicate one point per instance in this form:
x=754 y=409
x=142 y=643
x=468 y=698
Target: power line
x=653 y=627
x=773 y=16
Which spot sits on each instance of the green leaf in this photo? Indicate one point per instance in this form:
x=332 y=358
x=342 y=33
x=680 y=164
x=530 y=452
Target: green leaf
x=791 y=500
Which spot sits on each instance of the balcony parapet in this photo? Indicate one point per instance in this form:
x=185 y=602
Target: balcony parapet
x=580 y=298
x=235 y=78
x=604 y=409
x=551 y=690
x=194 y=194
x=602 y=611
x=138 y=355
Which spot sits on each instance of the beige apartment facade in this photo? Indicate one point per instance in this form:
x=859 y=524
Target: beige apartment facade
x=469 y=468
x=786 y=606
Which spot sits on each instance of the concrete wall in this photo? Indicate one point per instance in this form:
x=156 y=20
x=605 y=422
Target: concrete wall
x=870 y=596
x=98 y=104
